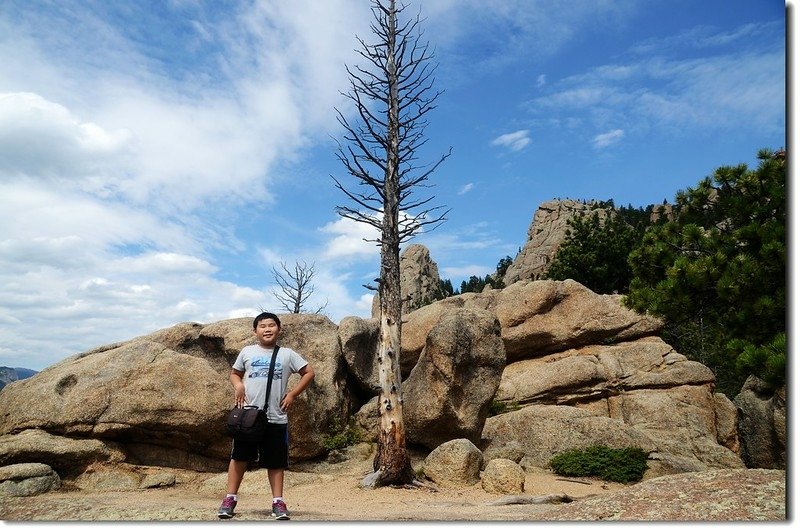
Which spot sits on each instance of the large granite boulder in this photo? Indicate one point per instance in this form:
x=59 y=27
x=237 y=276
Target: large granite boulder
x=539 y=317
x=162 y=399
x=137 y=392
x=359 y=339
x=597 y=371
x=449 y=391
x=545 y=316
x=656 y=399
x=455 y=463
x=762 y=424
x=539 y=432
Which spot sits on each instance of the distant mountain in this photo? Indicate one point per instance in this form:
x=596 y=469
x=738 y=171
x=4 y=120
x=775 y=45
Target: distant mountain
x=10 y=374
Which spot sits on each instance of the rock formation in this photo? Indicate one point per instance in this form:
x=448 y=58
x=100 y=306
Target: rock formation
x=545 y=234
x=762 y=424
x=726 y=495
x=448 y=393
x=161 y=399
x=419 y=279
x=568 y=368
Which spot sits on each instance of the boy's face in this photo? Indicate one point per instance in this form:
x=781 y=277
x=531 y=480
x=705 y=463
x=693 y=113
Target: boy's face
x=267 y=332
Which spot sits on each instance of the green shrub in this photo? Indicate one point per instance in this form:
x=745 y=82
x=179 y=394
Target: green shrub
x=498 y=407
x=623 y=465
x=341 y=435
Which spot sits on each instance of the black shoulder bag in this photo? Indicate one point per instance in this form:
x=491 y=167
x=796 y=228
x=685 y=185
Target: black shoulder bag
x=249 y=423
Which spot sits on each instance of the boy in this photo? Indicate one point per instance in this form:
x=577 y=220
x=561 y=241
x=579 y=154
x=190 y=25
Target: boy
x=249 y=379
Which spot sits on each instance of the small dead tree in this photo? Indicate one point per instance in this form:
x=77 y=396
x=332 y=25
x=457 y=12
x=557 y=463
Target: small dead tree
x=392 y=94
x=295 y=286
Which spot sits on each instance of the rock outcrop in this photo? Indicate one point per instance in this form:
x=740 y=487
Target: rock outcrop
x=140 y=392
x=161 y=399
x=708 y=496
x=448 y=393
x=546 y=233
x=762 y=424
x=419 y=279
x=570 y=368
x=539 y=317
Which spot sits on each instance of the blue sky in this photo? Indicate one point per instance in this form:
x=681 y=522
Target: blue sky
x=158 y=158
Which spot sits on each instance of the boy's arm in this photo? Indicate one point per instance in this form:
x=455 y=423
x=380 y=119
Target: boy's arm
x=306 y=376
x=238 y=387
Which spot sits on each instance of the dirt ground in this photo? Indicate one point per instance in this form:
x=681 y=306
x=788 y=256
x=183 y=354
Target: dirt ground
x=322 y=492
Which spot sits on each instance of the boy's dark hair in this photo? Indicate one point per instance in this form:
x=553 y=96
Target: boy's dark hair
x=265 y=316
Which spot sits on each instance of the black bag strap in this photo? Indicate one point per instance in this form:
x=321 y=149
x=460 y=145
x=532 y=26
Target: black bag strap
x=269 y=381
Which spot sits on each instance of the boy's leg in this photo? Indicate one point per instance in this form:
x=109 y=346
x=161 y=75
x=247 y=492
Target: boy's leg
x=237 y=466
x=276 y=481
x=236 y=470
x=275 y=457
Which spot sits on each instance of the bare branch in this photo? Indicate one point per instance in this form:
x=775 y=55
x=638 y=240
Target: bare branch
x=295 y=286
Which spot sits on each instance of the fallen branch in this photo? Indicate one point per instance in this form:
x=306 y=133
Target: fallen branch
x=575 y=481
x=533 y=500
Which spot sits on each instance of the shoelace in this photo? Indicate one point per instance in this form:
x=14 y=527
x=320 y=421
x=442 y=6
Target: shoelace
x=228 y=502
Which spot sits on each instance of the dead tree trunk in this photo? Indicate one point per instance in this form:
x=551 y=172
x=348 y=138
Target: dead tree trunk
x=392 y=463
x=399 y=83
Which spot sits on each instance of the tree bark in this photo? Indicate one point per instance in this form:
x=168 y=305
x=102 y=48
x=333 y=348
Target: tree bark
x=391 y=459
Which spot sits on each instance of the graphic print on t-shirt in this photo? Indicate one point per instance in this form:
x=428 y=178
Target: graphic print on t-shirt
x=259 y=368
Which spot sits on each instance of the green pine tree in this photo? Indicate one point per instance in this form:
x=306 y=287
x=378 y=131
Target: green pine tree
x=717 y=273
x=595 y=253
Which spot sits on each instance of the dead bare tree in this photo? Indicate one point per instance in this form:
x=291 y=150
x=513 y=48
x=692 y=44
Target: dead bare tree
x=392 y=93
x=295 y=286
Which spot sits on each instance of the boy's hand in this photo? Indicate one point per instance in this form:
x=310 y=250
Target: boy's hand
x=239 y=397
x=287 y=401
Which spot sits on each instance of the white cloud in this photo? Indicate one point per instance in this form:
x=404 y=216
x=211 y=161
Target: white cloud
x=43 y=139
x=608 y=138
x=351 y=240
x=109 y=298
x=514 y=141
x=119 y=167
x=719 y=91
x=466 y=188
x=541 y=80
x=464 y=272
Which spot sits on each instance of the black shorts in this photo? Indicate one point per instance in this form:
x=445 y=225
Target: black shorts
x=272 y=451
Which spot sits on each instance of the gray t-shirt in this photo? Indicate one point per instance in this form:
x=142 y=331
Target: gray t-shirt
x=254 y=361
